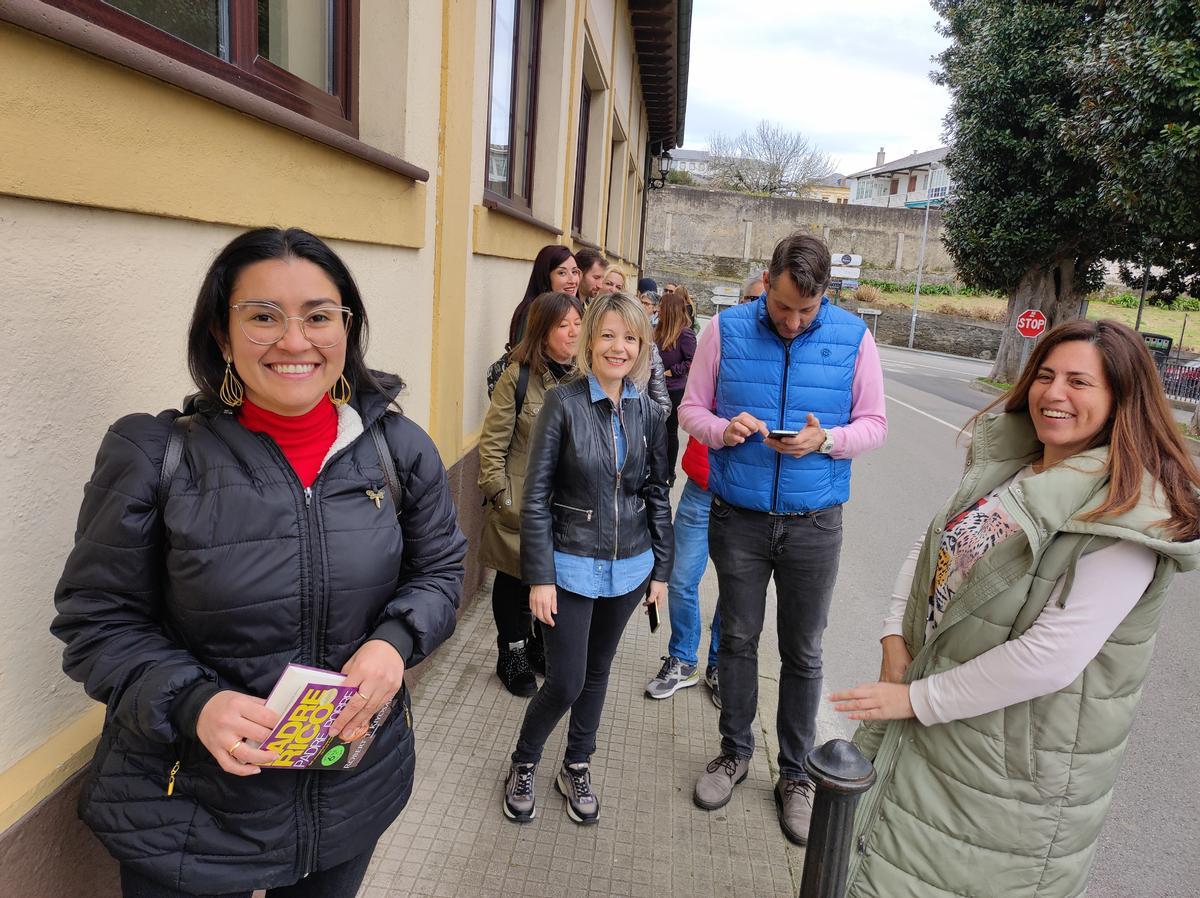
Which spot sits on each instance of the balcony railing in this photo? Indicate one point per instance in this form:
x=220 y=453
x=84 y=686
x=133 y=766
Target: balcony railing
x=912 y=199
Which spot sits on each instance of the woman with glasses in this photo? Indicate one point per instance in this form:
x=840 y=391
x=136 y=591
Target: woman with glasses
x=292 y=515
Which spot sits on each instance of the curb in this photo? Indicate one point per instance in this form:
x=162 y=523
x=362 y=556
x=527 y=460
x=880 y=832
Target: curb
x=944 y=355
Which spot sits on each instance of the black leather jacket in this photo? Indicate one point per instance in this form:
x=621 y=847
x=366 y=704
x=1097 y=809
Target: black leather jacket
x=656 y=389
x=576 y=501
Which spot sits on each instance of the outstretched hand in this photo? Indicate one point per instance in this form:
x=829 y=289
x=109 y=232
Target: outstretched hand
x=874 y=701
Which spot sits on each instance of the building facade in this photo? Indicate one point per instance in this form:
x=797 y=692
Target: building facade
x=911 y=182
x=436 y=145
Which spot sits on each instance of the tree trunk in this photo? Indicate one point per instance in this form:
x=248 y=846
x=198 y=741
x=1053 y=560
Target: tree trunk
x=1052 y=291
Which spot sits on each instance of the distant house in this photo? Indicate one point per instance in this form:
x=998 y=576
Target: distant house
x=910 y=182
x=834 y=189
x=694 y=162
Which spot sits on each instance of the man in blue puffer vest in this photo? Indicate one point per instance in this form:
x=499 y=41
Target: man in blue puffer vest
x=784 y=391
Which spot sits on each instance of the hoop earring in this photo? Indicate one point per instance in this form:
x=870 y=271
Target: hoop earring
x=339 y=393
x=233 y=393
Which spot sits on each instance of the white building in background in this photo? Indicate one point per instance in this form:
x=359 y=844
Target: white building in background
x=694 y=162
x=910 y=182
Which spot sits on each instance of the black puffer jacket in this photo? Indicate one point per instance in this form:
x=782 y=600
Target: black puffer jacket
x=242 y=572
x=577 y=501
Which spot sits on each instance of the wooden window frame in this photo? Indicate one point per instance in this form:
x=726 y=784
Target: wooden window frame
x=581 y=146
x=247 y=68
x=493 y=199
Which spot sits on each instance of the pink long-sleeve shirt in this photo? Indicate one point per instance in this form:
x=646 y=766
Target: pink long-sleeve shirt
x=866 y=430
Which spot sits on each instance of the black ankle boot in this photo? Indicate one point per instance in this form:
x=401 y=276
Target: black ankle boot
x=535 y=650
x=512 y=667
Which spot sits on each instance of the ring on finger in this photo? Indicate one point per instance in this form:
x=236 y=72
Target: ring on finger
x=233 y=748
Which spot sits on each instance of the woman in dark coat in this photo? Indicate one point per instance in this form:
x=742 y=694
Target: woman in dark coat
x=272 y=539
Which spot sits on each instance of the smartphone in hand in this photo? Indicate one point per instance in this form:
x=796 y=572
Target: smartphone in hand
x=652 y=614
x=782 y=434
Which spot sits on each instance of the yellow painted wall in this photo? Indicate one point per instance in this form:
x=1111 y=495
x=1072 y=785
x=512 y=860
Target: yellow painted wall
x=81 y=130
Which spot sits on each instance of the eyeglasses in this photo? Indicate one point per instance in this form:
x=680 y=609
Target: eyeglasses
x=265 y=324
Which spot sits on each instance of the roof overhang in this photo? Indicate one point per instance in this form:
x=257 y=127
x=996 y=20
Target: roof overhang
x=662 y=33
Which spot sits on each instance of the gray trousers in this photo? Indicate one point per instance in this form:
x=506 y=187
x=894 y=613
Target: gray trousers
x=801 y=553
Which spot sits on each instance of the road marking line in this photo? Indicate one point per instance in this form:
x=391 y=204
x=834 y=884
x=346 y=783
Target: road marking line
x=920 y=412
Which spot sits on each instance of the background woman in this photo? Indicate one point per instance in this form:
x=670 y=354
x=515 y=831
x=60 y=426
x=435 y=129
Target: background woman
x=274 y=541
x=676 y=344
x=554 y=271
x=595 y=531
x=1017 y=644
x=547 y=355
x=614 y=280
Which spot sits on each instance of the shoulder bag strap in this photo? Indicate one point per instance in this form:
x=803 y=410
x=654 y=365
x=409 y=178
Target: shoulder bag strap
x=519 y=400
x=388 y=464
x=172 y=455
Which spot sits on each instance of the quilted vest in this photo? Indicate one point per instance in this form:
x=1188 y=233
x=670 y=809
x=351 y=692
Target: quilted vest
x=780 y=382
x=1010 y=803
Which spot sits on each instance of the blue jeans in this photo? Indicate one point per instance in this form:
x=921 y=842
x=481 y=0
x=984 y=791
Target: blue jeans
x=800 y=553
x=683 y=590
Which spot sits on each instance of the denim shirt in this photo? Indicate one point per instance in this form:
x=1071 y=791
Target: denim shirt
x=596 y=577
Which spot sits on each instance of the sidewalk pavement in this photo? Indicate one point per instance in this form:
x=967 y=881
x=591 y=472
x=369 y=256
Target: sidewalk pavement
x=453 y=840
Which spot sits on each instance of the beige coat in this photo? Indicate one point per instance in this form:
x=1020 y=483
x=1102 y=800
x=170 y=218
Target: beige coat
x=502 y=466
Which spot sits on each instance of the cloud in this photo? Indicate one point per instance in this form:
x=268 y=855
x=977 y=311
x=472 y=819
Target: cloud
x=852 y=76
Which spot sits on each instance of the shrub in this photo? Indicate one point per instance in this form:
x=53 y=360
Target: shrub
x=1123 y=300
x=885 y=286
x=868 y=293
x=1186 y=304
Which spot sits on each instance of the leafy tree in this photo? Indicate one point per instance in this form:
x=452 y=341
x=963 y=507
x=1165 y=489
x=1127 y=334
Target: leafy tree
x=1027 y=217
x=681 y=177
x=1138 y=78
x=769 y=161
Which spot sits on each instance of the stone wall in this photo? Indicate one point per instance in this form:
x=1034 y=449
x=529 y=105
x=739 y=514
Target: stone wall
x=708 y=238
x=938 y=333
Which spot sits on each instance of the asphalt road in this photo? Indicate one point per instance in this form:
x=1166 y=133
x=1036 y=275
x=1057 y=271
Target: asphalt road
x=1148 y=848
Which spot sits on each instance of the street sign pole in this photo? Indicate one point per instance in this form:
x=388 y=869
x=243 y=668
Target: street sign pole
x=912 y=325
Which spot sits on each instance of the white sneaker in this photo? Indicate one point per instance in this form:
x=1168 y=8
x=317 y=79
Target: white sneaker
x=672 y=676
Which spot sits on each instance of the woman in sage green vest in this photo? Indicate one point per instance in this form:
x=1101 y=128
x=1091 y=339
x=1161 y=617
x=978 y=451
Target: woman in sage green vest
x=1014 y=655
x=546 y=355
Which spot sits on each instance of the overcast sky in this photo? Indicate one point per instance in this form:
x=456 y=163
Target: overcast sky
x=851 y=75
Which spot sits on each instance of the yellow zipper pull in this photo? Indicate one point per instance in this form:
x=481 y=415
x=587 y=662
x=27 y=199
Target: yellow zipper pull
x=171 y=778
x=407 y=717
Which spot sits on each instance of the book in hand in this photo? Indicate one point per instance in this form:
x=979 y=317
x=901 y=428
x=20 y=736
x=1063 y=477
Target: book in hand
x=308 y=701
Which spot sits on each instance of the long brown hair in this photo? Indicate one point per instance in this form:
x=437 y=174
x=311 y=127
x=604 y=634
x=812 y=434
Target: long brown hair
x=545 y=314
x=673 y=317
x=1141 y=432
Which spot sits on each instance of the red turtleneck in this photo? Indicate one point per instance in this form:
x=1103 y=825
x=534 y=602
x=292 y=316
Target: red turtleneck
x=305 y=439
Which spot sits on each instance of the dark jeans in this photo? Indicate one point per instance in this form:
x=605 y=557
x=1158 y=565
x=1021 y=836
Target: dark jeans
x=801 y=552
x=579 y=652
x=510 y=608
x=341 y=881
x=673 y=430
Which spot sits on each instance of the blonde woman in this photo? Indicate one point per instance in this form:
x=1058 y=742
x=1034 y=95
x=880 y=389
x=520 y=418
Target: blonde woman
x=595 y=539
x=614 y=281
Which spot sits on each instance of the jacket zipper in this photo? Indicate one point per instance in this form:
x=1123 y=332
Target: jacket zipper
x=787 y=363
x=617 y=481
x=171 y=778
x=586 y=511
x=309 y=546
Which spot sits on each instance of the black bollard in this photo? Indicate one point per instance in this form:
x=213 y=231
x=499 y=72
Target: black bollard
x=841 y=774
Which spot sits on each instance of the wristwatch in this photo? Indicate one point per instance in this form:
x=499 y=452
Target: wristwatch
x=827 y=446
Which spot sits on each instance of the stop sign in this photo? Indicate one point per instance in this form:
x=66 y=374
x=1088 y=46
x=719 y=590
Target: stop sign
x=1031 y=323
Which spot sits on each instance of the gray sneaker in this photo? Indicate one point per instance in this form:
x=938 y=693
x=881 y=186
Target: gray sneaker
x=574 y=782
x=672 y=676
x=710 y=680
x=715 y=786
x=519 y=804
x=794 y=802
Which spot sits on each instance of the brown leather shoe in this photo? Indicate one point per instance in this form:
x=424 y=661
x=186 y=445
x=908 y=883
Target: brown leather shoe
x=794 y=801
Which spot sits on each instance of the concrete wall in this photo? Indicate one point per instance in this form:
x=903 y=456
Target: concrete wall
x=708 y=238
